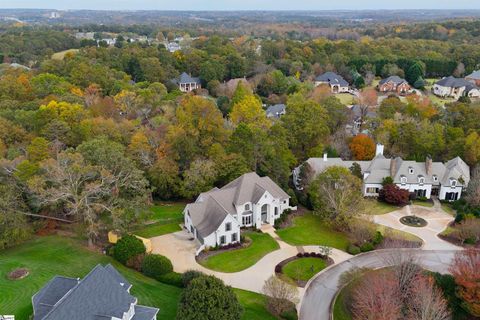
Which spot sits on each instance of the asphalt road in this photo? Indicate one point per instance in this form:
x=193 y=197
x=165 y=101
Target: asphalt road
x=321 y=290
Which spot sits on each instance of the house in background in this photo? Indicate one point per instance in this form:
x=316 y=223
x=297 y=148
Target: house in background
x=455 y=88
x=336 y=82
x=425 y=179
x=102 y=294
x=359 y=115
x=276 y=111
x=216 y=217
x=474 y=78
x=186 y=83
x=394 y=84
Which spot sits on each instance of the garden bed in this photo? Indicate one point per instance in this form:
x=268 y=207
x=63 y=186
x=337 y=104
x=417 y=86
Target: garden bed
x=18 y=274
x=413 y=221
x=302 y=267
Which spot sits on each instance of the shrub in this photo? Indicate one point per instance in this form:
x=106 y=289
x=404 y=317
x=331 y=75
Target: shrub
x=189 y=275
x=289 y=315
x=278 y=268
x=135 y=262
x=366 y=247
x=299 y=255
x=207 y=297
x=394 y=195
x=378 y=238
x=172 y=278
x=155 y=265
x=352 y=249
x=128 y=247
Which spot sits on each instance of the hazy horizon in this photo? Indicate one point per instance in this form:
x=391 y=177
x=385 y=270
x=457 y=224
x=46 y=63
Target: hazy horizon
x=231 y=5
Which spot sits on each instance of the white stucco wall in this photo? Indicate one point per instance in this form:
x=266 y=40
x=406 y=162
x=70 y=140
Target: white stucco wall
x=213 y=239
x=371 y=185
x=444 y=190
x=412 y=187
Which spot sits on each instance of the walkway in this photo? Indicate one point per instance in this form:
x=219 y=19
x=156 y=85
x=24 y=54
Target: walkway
x=322 y=289
x=181 y=251
x=437 y=219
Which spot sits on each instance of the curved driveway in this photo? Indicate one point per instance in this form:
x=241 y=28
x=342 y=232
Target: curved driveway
x=321 y=290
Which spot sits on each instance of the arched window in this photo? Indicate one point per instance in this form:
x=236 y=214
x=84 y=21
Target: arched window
x=453 y=182
x=421 y=180
x=435 y=178
x=247 y=207
x=410 y=170
x=403 y=179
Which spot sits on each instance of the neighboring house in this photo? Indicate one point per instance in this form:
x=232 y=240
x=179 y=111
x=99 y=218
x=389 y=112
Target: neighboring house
x=109 y=41
x=276 y=111
x=336 y=82
x=186 y=83
x=102 y=294
x=358 y=116
x=85 y=35
x=173 y=46
x=425 y=179
x=394 y=84
x=216 y=217
x=474 y=77
x=455 y=88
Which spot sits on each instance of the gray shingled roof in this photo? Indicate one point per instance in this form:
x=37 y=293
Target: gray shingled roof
x=332 y=78
x=276 y=110
x=144 y=313
x=452 y=82
x=395 y=79
x=474 y=75
x=211 y=207
x=186 y=78
x=319 y=164
x=101 y=294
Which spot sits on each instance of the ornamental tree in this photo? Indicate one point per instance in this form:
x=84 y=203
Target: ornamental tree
x=392 y=194
x=466 y=271
x=362 y=147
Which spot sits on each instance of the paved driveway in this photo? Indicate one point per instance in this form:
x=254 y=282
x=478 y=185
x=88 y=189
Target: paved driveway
x=180 y=249
x=321 y=290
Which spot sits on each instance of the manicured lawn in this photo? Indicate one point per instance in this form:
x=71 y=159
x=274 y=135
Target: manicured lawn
x=240 y=259
x=427 y=204
x=340 y=309
x=304 y=268
x=61 y=55
x=346 y=98
x=398 y=234
x=253 y=305
x=311 y=230
x=376 y=207
x=167 y=217
x=46 y=257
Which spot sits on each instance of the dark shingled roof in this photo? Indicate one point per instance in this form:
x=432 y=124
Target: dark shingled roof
x=276 y=110
x=186 y=78
x=395 y=79
x=452 y=82
x=332 y=78
x=101 y=294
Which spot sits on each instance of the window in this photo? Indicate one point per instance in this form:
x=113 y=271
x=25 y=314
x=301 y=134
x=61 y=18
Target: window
x=222 y=240
x=453 y=183
x=247 y=207
x=228 y=226
x=435 y=178
x=247 y=220
x=421 y=180
x=276 y=211
x=410 y=170
x=284 y=201
x=372 y=190
x=403 y=179
x=234 y=237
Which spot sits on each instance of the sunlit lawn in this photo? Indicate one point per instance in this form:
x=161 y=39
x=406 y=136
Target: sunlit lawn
x=309 y=229
x=376 y=207
x=166 y=218
x=304 y=268
x=427 y=204
x=240 y=259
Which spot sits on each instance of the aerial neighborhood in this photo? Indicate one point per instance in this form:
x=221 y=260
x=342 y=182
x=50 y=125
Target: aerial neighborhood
x=239 y=165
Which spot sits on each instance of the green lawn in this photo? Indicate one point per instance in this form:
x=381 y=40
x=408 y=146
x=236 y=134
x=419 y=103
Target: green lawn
x=398 y=234
x=376 y=207
x=61 y=55
x=447 y=207
x=253 y=305
x=311 y=230
x=167 y=217
x=346 y=98
x=340 y=309
x=46 y=257
x=427 y=204
x=240 y=259
x=304 y=268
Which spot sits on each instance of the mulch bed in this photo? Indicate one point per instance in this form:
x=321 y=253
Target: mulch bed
x=453 y=240
x=213 y=252
x=300 y=283
x=18 y=274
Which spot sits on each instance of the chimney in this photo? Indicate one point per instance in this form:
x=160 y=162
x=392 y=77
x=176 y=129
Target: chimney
x=325 y=157
x=379 y=149
x=393 y=167
x=428 y=165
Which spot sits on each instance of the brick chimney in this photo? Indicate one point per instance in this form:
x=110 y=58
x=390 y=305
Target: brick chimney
x=393 y=167
x=428 y=165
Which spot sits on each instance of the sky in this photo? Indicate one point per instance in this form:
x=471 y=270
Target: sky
x=240 y=4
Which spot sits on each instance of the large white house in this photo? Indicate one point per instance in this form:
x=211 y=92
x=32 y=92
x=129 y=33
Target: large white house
x=456 y=88
x=216 y=217
x=425 y=179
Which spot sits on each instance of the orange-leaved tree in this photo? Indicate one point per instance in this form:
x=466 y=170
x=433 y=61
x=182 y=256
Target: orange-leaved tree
x=362 y=147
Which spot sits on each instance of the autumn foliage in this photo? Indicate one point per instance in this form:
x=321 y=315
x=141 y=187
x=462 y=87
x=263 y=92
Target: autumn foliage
x=466 y=271
x=362 y=147
x=392 y=194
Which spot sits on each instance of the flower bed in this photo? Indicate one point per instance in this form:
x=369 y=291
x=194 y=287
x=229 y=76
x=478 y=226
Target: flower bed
x=18 y=274
x=413 y=221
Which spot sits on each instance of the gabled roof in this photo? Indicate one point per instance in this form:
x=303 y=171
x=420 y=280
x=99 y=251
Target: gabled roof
x=276 y=110
x=186 y=78
x=332 y=79
x=475 y=75
x=452 y=82
x=101 y=294
x=212 y=207
x=395 y=79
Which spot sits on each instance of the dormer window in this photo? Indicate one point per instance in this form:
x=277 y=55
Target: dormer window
x=435 y=178
x=403 y=179
x=410 y=170
x=453 y=182
x=421 y=180
x=247 y=207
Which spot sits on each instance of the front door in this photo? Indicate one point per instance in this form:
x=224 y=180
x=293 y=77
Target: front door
x=264 y=213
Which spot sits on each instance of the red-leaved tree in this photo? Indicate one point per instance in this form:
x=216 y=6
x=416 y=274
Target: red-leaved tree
x=427 y=301
x=466 y=271
x=392 y=194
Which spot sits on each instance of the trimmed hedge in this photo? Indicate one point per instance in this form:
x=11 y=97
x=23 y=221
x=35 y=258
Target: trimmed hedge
x=353 y=249
x=156 y=265
x=189 y=275
x=128 y=247
x=172 y=278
